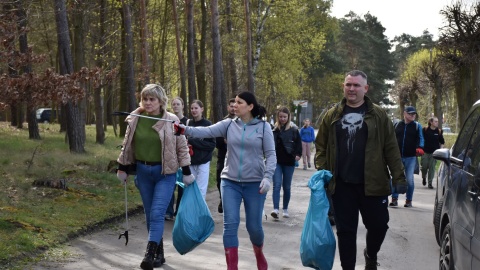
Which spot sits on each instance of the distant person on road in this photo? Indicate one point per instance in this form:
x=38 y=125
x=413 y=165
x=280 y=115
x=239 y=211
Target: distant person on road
x=202 y=148
x=247 y=174
x=157 y=153
x=288 y=147
x=434 y=140
x=221 y=145
x=410 y=141
x=307 y=133
x=356 y=142
x=177 y=108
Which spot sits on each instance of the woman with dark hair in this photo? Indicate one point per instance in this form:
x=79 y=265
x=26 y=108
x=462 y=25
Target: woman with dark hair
x=158 y=154
x=247 y=174
x=202 y=148
x=288 y=146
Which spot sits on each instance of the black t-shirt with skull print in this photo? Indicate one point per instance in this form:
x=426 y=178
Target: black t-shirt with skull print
x=352 y=136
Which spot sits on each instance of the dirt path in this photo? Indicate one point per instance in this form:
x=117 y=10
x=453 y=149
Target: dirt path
x=410 y=243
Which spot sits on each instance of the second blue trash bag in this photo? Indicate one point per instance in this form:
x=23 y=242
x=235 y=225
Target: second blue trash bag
x=317 y=243
x=194 y=223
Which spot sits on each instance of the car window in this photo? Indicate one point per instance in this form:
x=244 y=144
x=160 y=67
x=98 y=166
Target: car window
x=460 y=149
x=473 y=163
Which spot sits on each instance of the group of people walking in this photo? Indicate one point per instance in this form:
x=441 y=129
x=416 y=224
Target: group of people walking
x=369 y=158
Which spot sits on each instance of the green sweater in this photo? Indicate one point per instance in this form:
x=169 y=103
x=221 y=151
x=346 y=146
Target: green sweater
x=148 y=146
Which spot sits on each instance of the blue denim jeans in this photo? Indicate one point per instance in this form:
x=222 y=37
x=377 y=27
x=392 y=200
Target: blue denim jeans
x=156 y=190
x=282 y=178
x=232 y=195
x=409 y=164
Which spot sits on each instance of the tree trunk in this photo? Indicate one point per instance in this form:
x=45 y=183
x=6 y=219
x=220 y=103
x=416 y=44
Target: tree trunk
x=231 y=57
x=97 y=92
x=181 y=61
x=33 y=132
x=219 y=97
x=248 y=30
x=74 y=127
x=127 y=80
x=192 y=89
x=129 y=65
x=201 y=58
x=79 y=54
x=144 y=36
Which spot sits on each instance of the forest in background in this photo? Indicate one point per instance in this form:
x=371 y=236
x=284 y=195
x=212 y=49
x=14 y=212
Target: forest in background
x=90 y=58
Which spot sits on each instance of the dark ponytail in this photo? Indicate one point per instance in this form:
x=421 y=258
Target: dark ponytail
x=257 y=111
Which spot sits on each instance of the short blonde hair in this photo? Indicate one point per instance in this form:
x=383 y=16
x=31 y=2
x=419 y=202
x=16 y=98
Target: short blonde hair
x=155 y=90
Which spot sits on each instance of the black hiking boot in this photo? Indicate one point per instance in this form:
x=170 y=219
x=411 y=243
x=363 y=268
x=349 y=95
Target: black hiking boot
x=370 y=264
x=147 y=262
x=159 y=256
x=424 y=181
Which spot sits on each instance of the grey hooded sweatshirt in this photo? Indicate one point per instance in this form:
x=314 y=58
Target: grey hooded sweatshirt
x=250 y=148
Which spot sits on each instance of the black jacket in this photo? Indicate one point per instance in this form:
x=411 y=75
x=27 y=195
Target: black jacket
x=288 y=144
x=409 y=138
x=202 y=148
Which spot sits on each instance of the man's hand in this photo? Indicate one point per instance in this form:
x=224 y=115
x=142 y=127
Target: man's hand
x=188 y=179
x=179 y=128
x=264 y=186
x=420 y=152
x=401 y=188
x=122 y=176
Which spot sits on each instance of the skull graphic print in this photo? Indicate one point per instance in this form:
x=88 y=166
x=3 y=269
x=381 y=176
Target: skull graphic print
x=352 y=122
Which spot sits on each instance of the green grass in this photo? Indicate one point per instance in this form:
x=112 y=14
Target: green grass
x=37 y=218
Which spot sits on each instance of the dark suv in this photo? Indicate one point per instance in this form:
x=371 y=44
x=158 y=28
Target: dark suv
x=457 y=203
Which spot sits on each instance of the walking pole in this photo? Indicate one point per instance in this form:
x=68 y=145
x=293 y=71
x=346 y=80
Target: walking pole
x=126 y=217
x=143 y=116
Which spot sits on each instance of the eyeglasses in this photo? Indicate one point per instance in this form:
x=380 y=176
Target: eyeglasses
x=412 y=113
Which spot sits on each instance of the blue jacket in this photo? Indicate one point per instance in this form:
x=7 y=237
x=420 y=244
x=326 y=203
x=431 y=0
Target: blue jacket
x=307 y=134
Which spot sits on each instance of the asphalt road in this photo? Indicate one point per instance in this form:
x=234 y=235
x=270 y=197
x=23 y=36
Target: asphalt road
x=409 y=244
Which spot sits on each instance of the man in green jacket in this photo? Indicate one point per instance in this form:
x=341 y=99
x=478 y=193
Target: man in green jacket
x=356 y=142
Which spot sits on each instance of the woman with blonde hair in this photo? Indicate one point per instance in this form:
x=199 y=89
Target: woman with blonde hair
x=151 y=145
x=288 y=148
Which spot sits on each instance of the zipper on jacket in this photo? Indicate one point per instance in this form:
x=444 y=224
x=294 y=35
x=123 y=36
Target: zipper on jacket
x=241 y=153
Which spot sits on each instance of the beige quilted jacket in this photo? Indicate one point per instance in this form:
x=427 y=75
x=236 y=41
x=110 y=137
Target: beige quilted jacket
x=175 y=150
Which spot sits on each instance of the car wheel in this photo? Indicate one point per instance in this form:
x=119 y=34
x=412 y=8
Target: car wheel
x=446 y=250
x=436 y=220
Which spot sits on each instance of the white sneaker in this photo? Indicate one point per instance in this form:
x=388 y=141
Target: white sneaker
x=274 y=213
x=285 y=213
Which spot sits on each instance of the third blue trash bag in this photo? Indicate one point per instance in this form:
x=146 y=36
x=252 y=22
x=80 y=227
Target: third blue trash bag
x=317 y=243
x=193 y=223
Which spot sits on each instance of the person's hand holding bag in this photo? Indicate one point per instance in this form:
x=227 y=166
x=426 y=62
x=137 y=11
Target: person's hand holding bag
x=122 y=176
x=188 y=179
x=188 y=176
x=264 y=186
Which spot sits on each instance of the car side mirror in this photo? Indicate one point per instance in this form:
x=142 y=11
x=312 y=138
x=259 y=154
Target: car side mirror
x=442 y=154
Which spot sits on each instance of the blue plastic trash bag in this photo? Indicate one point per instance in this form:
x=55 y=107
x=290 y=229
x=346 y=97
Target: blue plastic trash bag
x=317 y=244
x=194 y=223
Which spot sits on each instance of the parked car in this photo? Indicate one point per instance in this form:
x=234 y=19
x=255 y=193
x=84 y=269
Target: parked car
x=456 y=216
x=447 y=130
x=45 y=115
